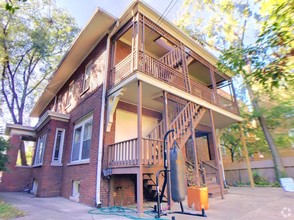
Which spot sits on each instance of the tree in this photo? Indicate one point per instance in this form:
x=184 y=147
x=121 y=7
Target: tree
x=268 y=62
x=229 y=37
x=4 y=145
x=32 y=41
x=9 y=6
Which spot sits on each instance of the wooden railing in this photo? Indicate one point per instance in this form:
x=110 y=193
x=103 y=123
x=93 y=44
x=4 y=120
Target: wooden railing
x=157 y=132
x=161 y=71
x=152 y=152
x=209 y=168
x=125 y=153
x=201 y=91
x=164 y=70
x=122 y=69
x=181 y=123
x=172 y=58
x=227 y=104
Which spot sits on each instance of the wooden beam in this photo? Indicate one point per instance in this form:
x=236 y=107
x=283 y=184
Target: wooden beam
x=139 y=147
x=217 y=156
x=195 y=149
x=246 y=155
x=166 y=128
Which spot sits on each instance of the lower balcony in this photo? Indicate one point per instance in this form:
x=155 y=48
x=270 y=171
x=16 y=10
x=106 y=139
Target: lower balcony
x=126 y=153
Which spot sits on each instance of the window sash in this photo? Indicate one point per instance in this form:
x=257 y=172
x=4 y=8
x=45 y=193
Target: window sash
x=82 y=141
x=40 y=150
x=58 y=145
x=88 y=71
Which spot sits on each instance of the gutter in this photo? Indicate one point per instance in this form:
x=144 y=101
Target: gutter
x=102 y=118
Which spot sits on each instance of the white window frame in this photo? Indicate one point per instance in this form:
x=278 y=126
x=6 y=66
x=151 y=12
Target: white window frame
x=59 y=160
x=81 y=124
x=70 y=93
x=87 y=76
x=41 y=140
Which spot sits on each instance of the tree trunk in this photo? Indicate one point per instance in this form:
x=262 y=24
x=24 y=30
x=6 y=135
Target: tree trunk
x=278 y=163
x=23 y=154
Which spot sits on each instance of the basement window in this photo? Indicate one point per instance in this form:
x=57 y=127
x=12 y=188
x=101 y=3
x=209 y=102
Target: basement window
x=75 y=191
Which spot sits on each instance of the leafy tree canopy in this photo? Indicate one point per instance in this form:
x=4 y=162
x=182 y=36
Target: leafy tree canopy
x=4 y=145
x=32 y=41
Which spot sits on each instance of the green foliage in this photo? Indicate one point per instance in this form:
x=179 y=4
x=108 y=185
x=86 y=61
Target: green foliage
x=7 y=211
x=32 y=41
x=9 y=6
x=4 y=145
x=259 y=180
x=269 y=61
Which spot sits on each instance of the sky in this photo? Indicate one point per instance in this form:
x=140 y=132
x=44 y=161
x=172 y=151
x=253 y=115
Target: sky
x=83 y=10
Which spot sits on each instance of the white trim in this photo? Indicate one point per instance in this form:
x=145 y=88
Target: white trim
x=42 y=139
x=79 y=162
x=81 y=124
x=56 y=162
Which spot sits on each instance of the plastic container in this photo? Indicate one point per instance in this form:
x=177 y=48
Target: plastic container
x=198 y=198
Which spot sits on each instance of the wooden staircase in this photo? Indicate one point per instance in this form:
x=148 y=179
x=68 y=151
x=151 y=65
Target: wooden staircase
x=149 y=186
x=190 y=115
x=211 y=179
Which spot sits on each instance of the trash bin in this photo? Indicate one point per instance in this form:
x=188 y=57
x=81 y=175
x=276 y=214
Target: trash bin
x=198 y=198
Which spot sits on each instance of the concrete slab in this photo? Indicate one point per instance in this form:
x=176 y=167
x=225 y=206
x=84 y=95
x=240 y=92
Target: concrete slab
x=240 y=203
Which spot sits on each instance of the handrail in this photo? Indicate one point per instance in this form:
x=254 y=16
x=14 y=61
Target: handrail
x=208 y=164
x=172 y=57
x=157 y=131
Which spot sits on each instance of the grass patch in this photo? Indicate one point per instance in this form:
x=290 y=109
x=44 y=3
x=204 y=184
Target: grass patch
x=7 y=211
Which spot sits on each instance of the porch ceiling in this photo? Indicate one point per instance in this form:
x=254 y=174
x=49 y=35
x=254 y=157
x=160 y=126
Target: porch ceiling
x=151 y=100
x=149 y=95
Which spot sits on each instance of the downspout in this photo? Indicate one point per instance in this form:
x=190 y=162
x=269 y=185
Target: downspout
x=101 y=129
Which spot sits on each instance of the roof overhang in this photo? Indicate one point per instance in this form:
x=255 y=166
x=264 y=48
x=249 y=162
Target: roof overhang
x=27 y=131
x=50 y=115
x=98 y=26
x=16 y=129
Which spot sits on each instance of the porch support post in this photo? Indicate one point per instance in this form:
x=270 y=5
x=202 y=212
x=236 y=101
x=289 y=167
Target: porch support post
x=213 y=83
x=246 y=155
x=217 y=156
x=195 y=149
x=166 y=127
x=139 y=148
x=219 y=133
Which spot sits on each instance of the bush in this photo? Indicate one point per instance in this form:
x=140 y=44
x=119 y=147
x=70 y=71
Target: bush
x=4 y=145
x=259 y=180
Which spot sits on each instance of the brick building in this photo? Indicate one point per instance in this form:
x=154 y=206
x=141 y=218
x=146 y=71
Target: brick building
x=123 y=83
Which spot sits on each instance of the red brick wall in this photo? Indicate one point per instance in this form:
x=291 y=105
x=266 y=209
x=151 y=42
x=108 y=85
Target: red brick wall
x=89 y=102
x=49 y=177
x=124 y=187
x=122 y=50
x=15 y=179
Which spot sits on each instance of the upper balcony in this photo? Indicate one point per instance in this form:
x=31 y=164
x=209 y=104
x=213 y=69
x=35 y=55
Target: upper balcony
x=143 y=46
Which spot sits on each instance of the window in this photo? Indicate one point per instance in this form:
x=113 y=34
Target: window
x=58 y=146
x=82 y=140
x=70 y=93
x=40 y=150
x=87 y=77
x=75 y=191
